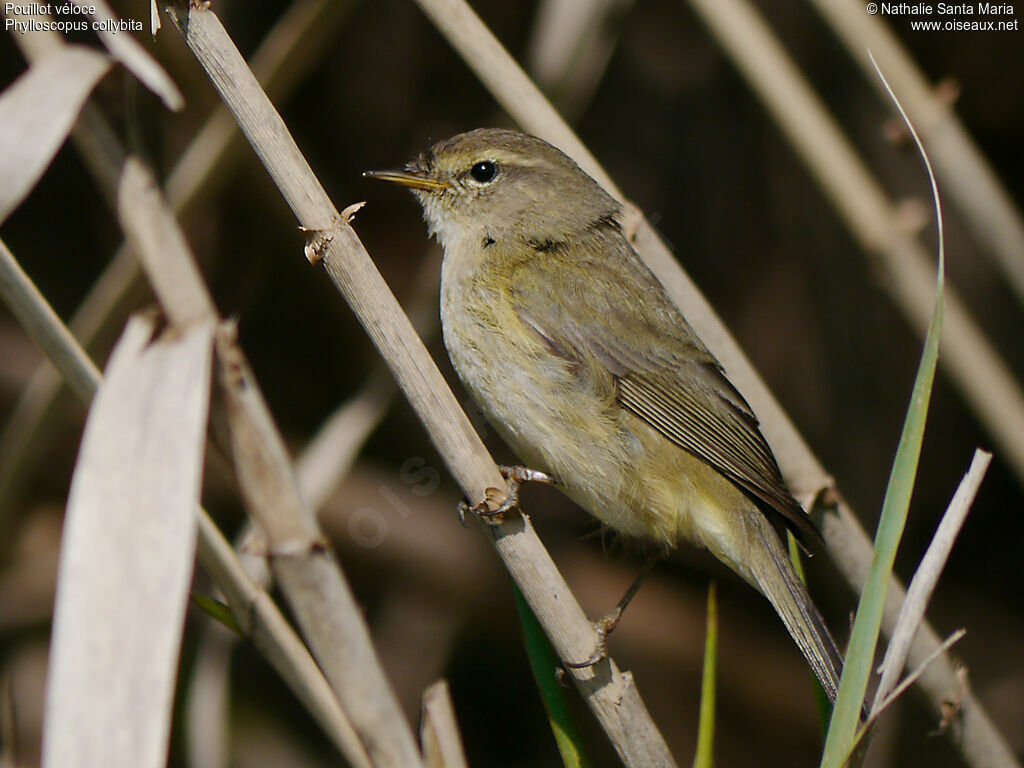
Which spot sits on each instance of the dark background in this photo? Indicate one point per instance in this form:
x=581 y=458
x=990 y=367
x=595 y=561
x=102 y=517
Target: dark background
x=686 y=140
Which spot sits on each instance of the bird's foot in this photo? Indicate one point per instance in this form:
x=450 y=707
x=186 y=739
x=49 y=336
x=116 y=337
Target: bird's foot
x=493 y=506
x=603 y=627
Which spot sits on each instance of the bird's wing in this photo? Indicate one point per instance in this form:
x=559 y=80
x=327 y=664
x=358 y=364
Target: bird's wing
x=611 y=310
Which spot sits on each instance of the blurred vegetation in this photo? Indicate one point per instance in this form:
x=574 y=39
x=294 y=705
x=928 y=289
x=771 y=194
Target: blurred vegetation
x=681 y=133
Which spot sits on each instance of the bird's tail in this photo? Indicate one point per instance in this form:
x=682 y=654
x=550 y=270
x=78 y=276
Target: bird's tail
x=778 y=581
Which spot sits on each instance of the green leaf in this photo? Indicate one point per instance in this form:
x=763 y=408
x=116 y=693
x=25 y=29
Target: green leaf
x=706 y=726
x=842 y=730
x=546 y=669
x=216 y=610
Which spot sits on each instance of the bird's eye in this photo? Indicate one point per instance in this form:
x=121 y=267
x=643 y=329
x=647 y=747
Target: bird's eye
x=484 y=172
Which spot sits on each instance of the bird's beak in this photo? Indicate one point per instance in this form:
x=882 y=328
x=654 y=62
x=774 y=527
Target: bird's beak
x=408 y=178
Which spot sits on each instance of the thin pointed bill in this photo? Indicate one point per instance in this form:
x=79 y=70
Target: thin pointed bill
x=407 y=178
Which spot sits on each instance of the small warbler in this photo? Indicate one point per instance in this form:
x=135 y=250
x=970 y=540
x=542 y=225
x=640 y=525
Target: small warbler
x=573 y=350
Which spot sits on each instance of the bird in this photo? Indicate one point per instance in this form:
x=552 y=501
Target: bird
x=591 y=373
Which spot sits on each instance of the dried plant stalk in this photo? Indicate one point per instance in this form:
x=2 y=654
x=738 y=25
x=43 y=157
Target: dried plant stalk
x=968 y=357
x=304 y=566
x=962 y=169
x=848 y=544
x=127 y=554
x=285 y=56
x=439 y=731
x=256 y=614
x=610 y=694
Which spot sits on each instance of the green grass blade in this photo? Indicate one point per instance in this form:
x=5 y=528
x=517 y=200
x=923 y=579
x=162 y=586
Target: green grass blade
x=217 y=610
x=860 y=656
x=706 y=726
x=545 y=668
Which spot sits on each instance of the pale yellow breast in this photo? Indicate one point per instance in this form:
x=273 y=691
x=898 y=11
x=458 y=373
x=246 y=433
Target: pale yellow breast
x=562 y=417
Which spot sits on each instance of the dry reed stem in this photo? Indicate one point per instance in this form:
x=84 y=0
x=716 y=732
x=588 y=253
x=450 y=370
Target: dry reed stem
x=35 y=417
x=967 y=357
x=963 y=171
x=41 y=323
x=275 y=56
x=256 y=614
x=922 y=585
x=135 y=58
x=570 y=48
x=966 y=354
x=848 y=544
x=162 y=248
x=128 y=552
x=284 y=57
x=439 y=731
x=329 y=456
x=265 y=625
x=305 y=568
x=37 y=111
x=610 y=694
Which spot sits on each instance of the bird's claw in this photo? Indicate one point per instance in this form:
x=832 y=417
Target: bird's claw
x=518 y=474
x=490 y=507
x=496 y=502
x=603 y=627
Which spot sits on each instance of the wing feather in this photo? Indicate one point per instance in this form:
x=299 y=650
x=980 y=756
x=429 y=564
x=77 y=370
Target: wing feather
x=585 y=310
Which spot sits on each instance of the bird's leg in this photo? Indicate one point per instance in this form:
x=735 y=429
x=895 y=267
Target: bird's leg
x=607 y=623
x=514 y=477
